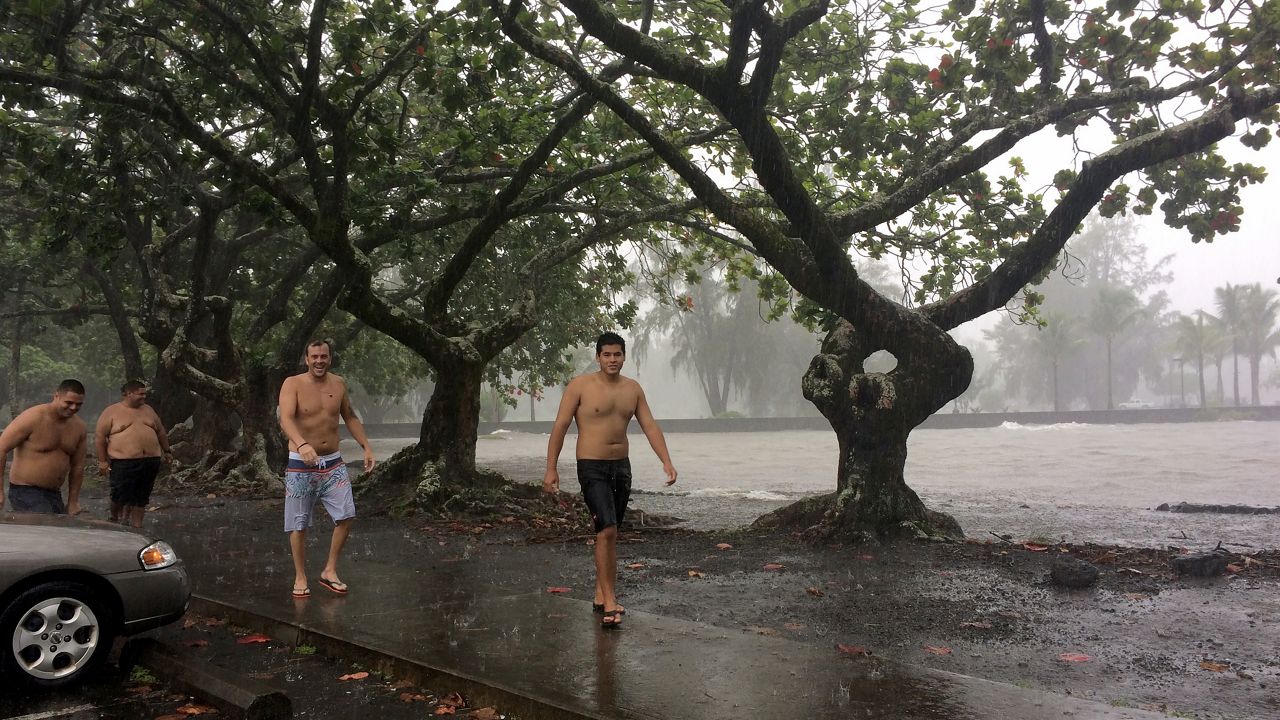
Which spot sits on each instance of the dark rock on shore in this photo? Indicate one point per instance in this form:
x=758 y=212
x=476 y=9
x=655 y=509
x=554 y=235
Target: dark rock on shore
x=1183 y=507
x=1208 y=564
x=1073 y=572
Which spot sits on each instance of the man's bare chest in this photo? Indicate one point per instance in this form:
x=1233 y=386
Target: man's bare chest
x=131 y=420
x=319 y=403
x=603 y=405
x=57 y=439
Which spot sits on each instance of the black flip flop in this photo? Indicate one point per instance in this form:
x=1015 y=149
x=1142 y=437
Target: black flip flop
x=611 y=620
x=332 y=586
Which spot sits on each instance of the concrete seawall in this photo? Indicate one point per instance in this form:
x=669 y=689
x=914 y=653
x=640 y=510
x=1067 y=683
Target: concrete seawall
x=943 y=421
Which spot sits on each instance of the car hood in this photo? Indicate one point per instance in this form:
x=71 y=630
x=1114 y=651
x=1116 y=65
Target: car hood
x=57 y=541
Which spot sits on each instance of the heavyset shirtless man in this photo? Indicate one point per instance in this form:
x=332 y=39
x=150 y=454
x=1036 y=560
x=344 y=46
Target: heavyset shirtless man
x=310 y=405
x=48 y=444
x=602 y=404
x=131 y=444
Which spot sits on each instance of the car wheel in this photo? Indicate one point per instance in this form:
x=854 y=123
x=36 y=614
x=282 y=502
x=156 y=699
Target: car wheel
x=54 y=634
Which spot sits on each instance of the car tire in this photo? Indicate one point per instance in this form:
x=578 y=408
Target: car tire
x=55 y=634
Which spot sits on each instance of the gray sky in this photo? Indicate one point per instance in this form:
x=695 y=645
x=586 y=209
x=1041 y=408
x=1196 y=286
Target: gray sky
x=1251 y=255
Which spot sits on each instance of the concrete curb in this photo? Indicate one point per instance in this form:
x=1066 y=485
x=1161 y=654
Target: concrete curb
x=477 y=692
x=234 y=696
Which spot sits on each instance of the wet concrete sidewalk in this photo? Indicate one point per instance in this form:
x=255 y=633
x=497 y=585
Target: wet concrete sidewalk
x=535 y=654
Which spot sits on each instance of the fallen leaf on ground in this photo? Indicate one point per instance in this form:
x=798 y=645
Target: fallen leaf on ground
x=814 y=591
x=171 y=717
x=138 y=690
x=198 y=642
x=1212 y=666
x=976 y=625
x=413 y=697
x=635 y=566
x=723 y=546
x=1233 y=568
x=453 y=699
x=774 y=566
x=1035 y=547
x=252 y=639
x=355 y=676
x=191 y=709
x=936 y=650
x=1074 y=657
x=485 y=713
x=793 y=626
x=851 y=649
x=558 y=589
x=695 y=573
x=443 y=710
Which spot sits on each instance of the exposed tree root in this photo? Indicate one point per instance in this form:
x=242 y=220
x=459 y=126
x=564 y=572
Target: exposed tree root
x=839 y=517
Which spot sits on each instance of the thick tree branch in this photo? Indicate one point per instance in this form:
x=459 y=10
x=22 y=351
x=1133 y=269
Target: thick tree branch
x=1029 y=258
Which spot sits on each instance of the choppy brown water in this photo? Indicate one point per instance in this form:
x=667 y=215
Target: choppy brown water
x=1082 y=483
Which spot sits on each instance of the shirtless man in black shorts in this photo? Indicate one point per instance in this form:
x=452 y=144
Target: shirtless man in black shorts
x=602 y=404
x=48 y=444
x=131 y=444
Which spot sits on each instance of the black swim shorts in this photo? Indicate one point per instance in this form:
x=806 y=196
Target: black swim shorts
x=606 y=487
x=28 y=498
x=132 y=480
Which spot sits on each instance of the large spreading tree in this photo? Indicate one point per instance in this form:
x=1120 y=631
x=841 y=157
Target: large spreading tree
x=885 y=128
x=460 y=194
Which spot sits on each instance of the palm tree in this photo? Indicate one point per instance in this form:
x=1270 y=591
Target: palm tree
x=1056 y=340
x=1114 y=309
x=1191 y=339
x=1258 y=333
x=1230 y=312
x=1216 y=345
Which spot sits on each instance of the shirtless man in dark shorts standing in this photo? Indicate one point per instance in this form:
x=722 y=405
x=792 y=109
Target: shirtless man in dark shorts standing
x=310 y=405
x=602 y=404
x=49 y=447
x=131 y=444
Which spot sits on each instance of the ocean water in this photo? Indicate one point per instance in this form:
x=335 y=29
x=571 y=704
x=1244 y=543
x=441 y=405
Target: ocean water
x=1081 y=483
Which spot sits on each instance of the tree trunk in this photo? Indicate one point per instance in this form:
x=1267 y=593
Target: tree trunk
x=15 y=355
x=1235 y=372
x=451 y=421
x=872 y=415
x=171 y=400
x=1255 y=360
x=1057 y=404
x=129 y=350
x=1222 y=394
x=1110 y=404
x=1200 y=377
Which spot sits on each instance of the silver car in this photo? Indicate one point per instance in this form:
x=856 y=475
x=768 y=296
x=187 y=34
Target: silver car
x=69 y=587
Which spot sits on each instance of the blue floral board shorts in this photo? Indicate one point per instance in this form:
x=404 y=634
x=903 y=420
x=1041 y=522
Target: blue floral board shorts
x=327 y=481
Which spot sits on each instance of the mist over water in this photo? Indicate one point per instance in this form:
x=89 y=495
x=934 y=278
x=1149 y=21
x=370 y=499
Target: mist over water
x=1081 y=483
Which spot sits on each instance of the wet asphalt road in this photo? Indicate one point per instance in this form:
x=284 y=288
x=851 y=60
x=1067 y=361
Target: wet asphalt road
x=311 y=681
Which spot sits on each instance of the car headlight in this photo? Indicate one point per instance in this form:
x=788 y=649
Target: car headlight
x=157 y=555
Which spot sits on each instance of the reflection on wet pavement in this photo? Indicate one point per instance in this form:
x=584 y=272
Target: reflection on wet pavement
x=455 y=618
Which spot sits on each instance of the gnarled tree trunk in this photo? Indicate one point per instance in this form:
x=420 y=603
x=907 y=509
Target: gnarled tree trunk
x=872 y=415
